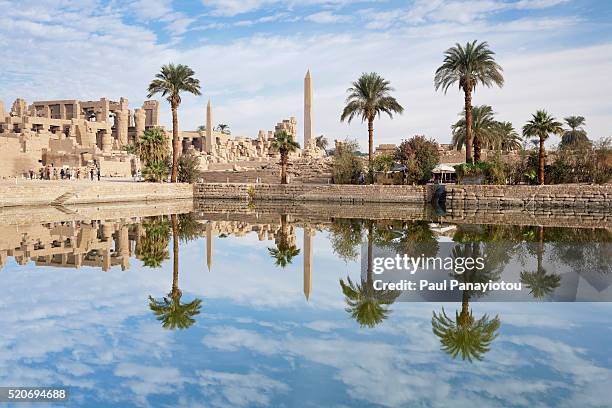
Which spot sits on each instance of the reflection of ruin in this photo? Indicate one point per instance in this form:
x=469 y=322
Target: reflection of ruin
x=71 y=244
x=265 y=231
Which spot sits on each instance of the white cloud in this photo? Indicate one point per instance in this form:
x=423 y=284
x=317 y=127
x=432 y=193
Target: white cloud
x=326 y=17
x=256 y=81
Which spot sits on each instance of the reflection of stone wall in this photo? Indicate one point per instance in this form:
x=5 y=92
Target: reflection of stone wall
x=321 y=213
x=559 y=195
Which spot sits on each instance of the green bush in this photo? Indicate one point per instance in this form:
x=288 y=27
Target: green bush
x=582 y=163
x=188 y=168
x=346 y=165
x=420 y=156
x=156 y=171
x=383 y=162
x=495 y=171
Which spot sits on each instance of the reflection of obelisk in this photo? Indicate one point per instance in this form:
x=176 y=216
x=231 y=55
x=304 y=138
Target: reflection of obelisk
x=209 y=128
x=308 y=123
x=307 y=261
x=209 y=245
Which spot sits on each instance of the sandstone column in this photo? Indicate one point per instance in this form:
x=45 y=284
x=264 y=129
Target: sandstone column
x=308 y=119
x=107 y=141
x=121 y=122
x=307 y=261
x=209 y=129
x=139 y=121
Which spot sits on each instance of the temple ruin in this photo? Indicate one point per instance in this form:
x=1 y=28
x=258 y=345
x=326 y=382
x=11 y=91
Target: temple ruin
x=83 y=134
x=72 y=133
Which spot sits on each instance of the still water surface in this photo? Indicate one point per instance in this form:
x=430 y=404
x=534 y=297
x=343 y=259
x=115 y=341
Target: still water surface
x=186 y=311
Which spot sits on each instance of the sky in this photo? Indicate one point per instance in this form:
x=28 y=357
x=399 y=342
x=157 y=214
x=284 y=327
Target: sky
x=251 y=57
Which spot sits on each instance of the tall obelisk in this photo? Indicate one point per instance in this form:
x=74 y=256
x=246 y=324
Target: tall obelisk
x=209 y=128
x=308 y=119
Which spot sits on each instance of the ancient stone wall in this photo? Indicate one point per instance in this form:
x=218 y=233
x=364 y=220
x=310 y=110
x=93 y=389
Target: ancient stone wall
x=548 y=196
x=44 y=192
x=315 y=192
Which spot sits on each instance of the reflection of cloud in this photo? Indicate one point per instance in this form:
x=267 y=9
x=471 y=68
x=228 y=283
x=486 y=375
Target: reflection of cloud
x=239 y=390
x=93 y=331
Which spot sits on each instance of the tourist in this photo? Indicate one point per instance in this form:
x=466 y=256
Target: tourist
x=91 y=174
x=62 y=174
x=54 y=173
x=98 y=174
x=78 y=173
x=31 y=174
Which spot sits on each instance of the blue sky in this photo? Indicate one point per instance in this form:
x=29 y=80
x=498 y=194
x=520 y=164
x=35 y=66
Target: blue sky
x=251 y=57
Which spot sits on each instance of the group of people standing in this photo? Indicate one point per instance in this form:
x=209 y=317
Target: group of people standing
x=65 y=173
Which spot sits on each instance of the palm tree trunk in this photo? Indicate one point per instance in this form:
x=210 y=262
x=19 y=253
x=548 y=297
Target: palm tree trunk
x=283 y=167
x=371 y=149
x=540 y=247
x=175 y=144
x=175 y=252
x=468 y=126
x=464 y=316
x=541 y=162
x=370 y=253
x=477 y=148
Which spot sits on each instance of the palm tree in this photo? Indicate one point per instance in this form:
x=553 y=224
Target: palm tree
x=284 y=251
x=365 y=304
x=223 y=128
x=576 y=133
x=506 y=137
x=539 y=282
x=169 y=310
x=483 y=129
x=152 y=145
x=468 y=66
x=321 y=142
x=285 y=144
x=369 y=97
x=170 y=82
x=541 y=125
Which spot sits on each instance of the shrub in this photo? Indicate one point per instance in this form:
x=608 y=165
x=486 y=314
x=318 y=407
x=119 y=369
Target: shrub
x=495 y=171
x=188 y=168
x=420 y=156
x=580 y=162
x=156 y=171
x=346 y=166
x=383 y=162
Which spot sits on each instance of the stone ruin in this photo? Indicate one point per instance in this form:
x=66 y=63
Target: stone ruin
x=72 y=133
x=81 y=134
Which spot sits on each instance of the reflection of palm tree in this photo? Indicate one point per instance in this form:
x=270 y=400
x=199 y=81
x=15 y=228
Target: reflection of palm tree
x=169 y=310
x=153 y=246
x=367 y=305
x=465 y=336
x=284 y=251
x=345 y=235
x=539 y=282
